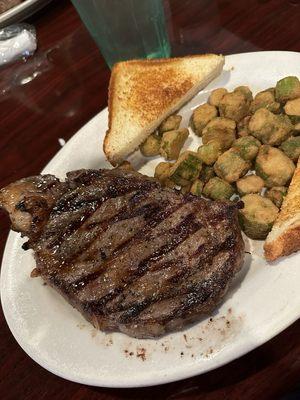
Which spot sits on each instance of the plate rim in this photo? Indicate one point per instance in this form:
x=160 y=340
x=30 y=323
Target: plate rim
x=190 y=370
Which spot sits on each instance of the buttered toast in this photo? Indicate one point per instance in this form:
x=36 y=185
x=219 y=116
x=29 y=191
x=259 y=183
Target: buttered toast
x=142 y=93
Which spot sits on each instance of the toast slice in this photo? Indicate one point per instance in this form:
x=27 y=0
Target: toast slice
x=142 y=93
x=284 y=237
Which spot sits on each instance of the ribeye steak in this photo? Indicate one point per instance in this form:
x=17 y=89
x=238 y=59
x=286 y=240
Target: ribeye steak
x=130 y=255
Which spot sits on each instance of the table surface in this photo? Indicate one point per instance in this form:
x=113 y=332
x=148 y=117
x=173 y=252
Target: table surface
x=58 y=90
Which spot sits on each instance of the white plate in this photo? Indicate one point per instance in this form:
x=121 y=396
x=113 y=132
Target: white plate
x=21 y=11
x=263 y=301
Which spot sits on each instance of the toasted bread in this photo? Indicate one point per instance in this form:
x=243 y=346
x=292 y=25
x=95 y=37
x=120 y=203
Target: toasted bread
x=284 y=237
x=142 y=93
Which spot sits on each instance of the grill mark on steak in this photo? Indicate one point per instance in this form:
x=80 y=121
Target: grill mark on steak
x=167 y=210
x=78 y=205
x=187 y=227
x=140 y=266
x=62 y=281
x=163 y=286
x=88 y=231
x=182 y=230
x=61 y=276
x=158 y=280
x=126 y=262
x=148 y=259
x=198 y=293
x=201 y=293
x=134 y=309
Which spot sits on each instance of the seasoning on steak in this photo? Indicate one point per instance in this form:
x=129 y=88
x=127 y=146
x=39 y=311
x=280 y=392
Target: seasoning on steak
x=128 y=254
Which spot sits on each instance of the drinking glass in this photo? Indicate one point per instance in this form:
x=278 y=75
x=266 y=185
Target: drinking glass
x=126 y=29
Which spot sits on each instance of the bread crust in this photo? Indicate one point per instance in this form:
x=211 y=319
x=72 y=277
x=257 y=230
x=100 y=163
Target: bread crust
x=288 y=220
x=113 y=87
x=287 y=243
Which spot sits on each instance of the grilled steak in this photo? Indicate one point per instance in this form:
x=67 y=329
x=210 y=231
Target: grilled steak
x=128 y=254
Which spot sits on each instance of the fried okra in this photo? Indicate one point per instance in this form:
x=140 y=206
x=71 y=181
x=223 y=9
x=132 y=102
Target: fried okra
x=287 y=88
x=249 y=184
x=209 y=152
x=201 y=117
x=247 y=147
x=245 y=91
x=197 y=187
x=276 y=195
x=292 y=109
x=297 y=128
x=170 y=124
x=169 y=183
x=234 y=105
x=162 y=171
x=185 y=189
x=206 y=173
x=172 y=142
x=186 y=169
x=273 y=166
x=218 y=189
x=230 y=166
x=291 y=147
x=216 y=96
x=258 y=216
x=265 y=99
x=126 y=165
x=151 y=146
x=270 y=128
x=221 y=130
x=242 y=127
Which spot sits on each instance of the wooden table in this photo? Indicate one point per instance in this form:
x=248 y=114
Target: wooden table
x=59 y=89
